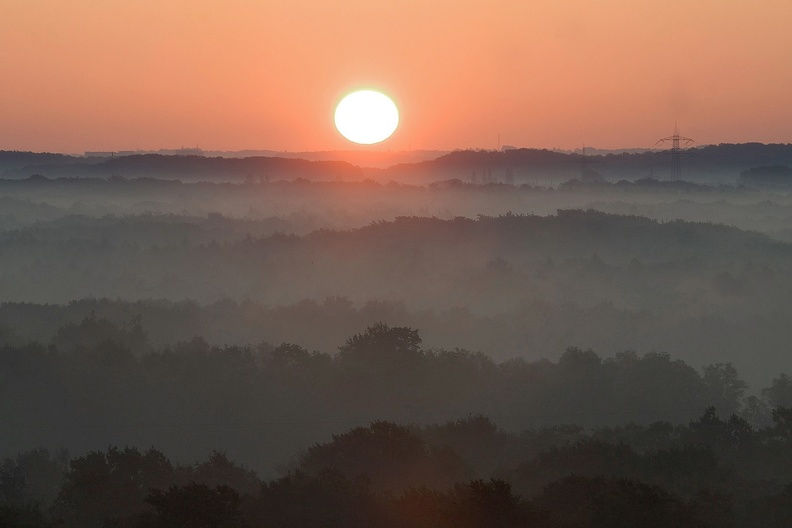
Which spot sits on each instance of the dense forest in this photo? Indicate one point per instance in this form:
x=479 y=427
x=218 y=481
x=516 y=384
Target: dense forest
x=259 y=401
x=253 y=348
x=653 y=436
x=506 y=285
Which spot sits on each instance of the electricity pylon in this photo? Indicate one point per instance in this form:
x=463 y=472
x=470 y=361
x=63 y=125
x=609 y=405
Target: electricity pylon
x=677 y=143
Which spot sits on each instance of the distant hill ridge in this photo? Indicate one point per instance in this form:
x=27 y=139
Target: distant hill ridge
x=713 y=164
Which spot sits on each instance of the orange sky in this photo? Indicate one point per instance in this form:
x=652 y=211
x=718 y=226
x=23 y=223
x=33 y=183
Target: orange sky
x=256 y=74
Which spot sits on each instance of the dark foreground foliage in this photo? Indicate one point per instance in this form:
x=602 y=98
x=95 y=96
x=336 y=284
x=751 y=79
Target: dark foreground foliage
x=708 y=473
x=668 y=466
x=98 y=384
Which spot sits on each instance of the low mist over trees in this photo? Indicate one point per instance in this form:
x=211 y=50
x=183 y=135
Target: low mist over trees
x=708 y=473
x=520 y=338
x=772 y=176
x=507 y=285
x=258 y=402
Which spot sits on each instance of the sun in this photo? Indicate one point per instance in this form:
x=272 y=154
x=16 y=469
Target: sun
x=366 y=117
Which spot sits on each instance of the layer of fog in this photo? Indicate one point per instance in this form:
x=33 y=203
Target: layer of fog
x=510 y=287
x=301 y=206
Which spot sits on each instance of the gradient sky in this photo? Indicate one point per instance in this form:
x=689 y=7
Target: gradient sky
x=256 y=74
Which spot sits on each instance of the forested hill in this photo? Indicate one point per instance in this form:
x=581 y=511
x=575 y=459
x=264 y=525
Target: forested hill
x=712 y=164
x=425 y=260
x=201 y=168
x=567 y=234
x=20 y=162
x=507 y=285
x=720 y=164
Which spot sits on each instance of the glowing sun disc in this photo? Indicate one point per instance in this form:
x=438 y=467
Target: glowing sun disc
x=366 y=117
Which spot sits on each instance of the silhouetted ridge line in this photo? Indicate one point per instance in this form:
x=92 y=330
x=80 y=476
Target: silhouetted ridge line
x=715 y=164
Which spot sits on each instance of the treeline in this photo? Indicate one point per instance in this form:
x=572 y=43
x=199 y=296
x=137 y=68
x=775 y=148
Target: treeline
x=719 y=163
x=506 y=285
x=342 y=205
x=446 y=198
x=97 y=385
x=526 y=255
x=19 y=165
x=712 y=163
x=711 y=472
x=531 y=330
x=778 y=176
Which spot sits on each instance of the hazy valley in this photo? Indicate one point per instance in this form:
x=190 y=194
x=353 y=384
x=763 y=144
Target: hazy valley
x=507 y=330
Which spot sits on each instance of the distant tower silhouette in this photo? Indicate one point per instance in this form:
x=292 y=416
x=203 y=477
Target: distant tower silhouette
x=677 y=143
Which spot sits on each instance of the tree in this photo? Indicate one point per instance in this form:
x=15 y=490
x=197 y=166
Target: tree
x=318 y=501
x=588 y=457
x=782 y=417
x=477 y=439
x=391 y=455
x=423 y=508
x=779 y=393
x=105 y=486
x=772 y=511
x=724 y=388
x=288 y=355
x=383 y=345
x=581 y=502
x=32 y=477
x=93 y=331
x=218 y=470
x=27 y=516
x=194 y=506
x=488 y=504
x=756 y=412
x=732 y=434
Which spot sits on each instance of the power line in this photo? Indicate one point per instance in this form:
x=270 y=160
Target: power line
x=677 y=144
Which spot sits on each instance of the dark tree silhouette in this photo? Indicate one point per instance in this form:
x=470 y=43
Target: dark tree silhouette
x=724 y=387
x=779 y=393
x=582 y=502
x=383 y=346
x=195 y=506
x=113 y=485
x=218 y=470
x=32 y=477
x=479 y=504
x=392 y=456
x=327 y=499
